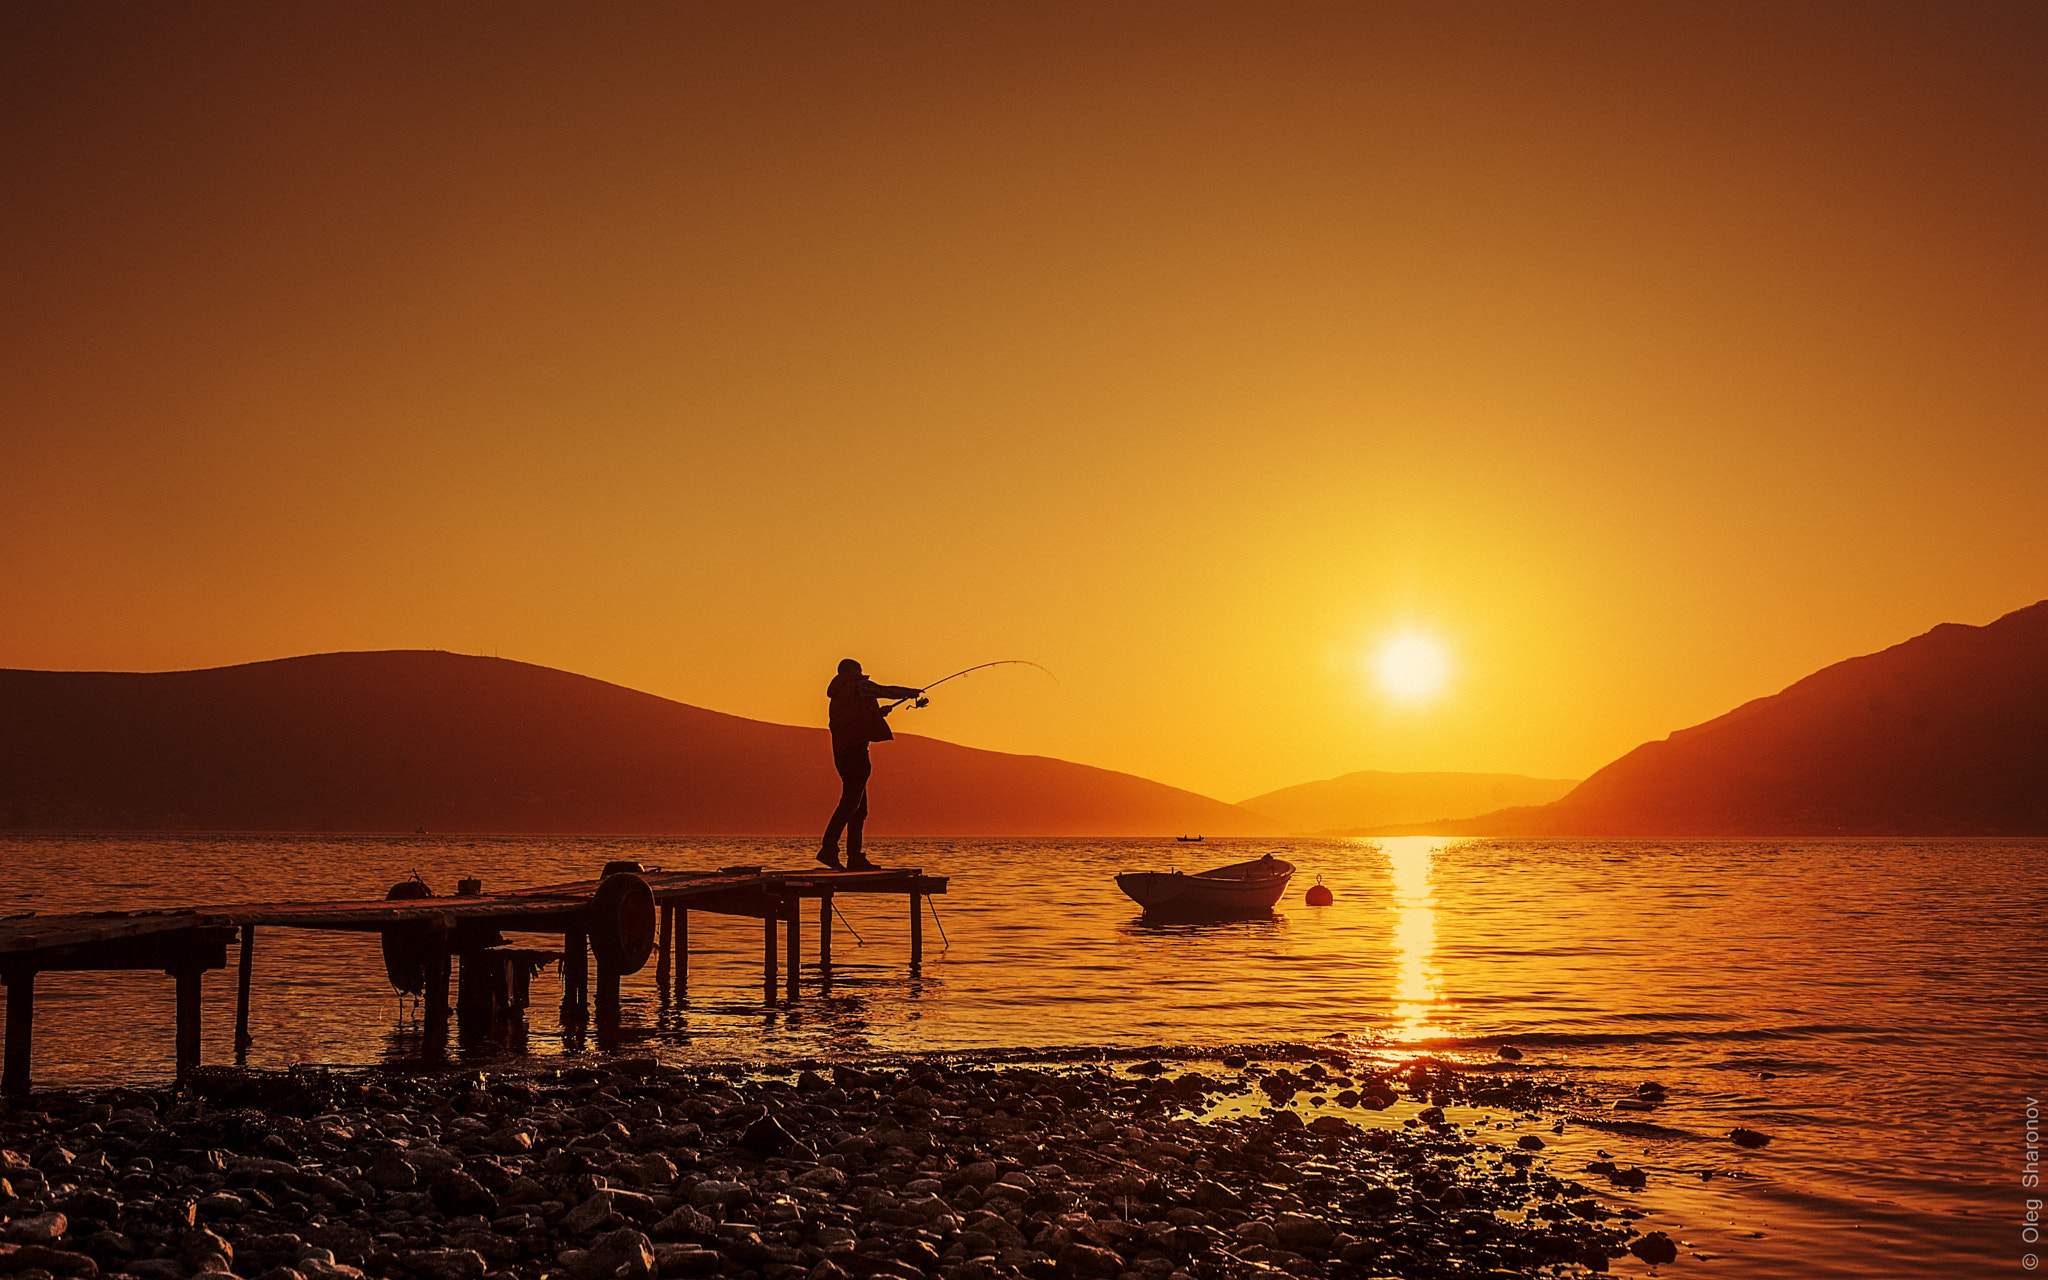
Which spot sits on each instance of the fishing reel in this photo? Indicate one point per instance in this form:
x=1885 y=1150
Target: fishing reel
x=920 y=702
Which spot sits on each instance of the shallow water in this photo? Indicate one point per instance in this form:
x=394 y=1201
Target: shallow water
x=1892 y=989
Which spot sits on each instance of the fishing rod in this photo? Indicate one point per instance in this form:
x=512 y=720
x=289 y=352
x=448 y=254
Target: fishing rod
x=919 y=700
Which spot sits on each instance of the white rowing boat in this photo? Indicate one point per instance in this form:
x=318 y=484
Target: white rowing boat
x=1243 y=888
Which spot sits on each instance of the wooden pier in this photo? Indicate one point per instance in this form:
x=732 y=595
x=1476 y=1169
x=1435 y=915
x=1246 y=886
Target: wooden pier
x=622 y=919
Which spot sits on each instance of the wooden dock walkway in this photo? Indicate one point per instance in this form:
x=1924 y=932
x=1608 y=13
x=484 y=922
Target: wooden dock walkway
x=622 y=919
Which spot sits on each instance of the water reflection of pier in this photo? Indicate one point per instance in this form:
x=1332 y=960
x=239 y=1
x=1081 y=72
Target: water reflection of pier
x=622 y=919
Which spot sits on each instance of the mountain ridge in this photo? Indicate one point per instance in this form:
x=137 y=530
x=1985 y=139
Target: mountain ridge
x=1942 y=734
x=1353 y=803
x=398 y=740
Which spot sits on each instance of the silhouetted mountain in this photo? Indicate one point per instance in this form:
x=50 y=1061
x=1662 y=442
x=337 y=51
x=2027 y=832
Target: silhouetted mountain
x=410 y=739
x=1355 y=802
x=1946 y=734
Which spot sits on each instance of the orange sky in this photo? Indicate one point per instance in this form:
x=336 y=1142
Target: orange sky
x=1650 y=356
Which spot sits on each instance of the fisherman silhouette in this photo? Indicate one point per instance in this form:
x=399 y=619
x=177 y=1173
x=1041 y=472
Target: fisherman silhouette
x=857 y=719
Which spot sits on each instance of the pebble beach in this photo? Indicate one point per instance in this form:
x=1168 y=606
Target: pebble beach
x=1156 y=1168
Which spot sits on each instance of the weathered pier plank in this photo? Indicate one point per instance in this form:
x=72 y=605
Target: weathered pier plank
x=467 y=929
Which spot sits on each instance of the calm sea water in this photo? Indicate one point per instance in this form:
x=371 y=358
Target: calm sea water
x=1892 y=990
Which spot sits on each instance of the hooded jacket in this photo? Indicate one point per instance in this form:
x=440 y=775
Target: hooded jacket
x=857 y=717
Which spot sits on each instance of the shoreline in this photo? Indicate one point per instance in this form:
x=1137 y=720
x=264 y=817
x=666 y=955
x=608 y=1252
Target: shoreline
x=1035 y=1163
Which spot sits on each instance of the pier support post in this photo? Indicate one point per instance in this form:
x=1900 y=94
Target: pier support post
x=435 y=995
x=662 y=949
x=576 y=976
x=483 y=991
x=794 y=960
x=824 y=931
x=242 y=975
x=683 y=951
x=187 y=977
x=768 y=974
x=607 y=997
x=916 y=930
x=21 y=1016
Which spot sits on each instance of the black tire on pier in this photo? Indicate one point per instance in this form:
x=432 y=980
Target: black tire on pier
x=622 y=922
x=405 y=945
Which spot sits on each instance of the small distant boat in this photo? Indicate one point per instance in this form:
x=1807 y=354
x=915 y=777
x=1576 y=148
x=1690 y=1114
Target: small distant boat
x=1243 y=888
x=1189 y=839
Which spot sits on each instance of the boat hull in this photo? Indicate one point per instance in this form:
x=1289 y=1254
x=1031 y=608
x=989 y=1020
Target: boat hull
x=1247 y=888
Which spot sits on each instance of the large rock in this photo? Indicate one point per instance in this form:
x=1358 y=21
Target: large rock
x=499 y=1251
x=58 y=1262
x=459 y=1195
x=1077 y=1259
x=723 y=1194
x=685 y=1260
x=824 y=1178
x=444 y=1264
x=348 y=1244
x=42 y=1228
x=204 y=1250
x=767 y=1137
x=260 y=1253
x=1300 y=1231
x=624 y=1253
x=595 y=1214
x=431 y=1159
x=685 y=1223
x=391 y=1171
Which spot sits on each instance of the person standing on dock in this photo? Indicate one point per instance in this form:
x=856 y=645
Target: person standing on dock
x=858 y=718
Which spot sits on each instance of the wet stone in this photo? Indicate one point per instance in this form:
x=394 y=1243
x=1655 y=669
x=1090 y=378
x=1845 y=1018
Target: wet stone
x=54 y=1261
x=724 y=1194
x=456 y=1193
x=685 y=1260
x=593 y=1214
x=393 y=1172
x=444 y=1264
x=766 y=1136
x=41 y=1228
x=1300 y=1231
x=624 y=1253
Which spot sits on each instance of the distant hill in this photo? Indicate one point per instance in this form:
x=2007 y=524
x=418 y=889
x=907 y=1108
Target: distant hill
x=1944 y=735
x=1359 y=801
x=402 y=740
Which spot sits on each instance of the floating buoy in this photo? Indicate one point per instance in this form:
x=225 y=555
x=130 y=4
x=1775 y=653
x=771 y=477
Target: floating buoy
x=1320 y=896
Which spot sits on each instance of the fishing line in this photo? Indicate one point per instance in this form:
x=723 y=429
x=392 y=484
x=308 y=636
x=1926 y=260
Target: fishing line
x=849 y=925
x=946 y=944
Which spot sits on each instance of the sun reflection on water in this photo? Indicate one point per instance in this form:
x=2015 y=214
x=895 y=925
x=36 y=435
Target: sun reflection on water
x=1411 y=861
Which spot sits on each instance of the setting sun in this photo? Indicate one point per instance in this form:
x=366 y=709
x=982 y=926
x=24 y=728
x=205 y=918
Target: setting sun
x=1412 y=667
